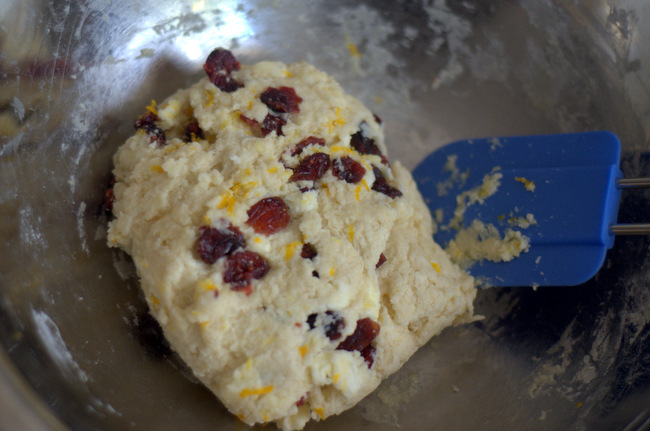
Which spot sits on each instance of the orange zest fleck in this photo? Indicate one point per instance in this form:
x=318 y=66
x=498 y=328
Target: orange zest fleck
x=340 y=149
x=207 y=285
x=227 y=201
x=290 y=249
x=327 y=189
x=354 y=52
x=210 y=98
x=152 y=108
x=258 y=391
x=338 y=121
x=529 y=185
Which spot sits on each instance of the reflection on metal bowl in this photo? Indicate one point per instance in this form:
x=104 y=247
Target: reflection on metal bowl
x=74 y=75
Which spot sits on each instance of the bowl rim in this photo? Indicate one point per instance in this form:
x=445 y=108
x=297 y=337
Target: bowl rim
x=27 y=410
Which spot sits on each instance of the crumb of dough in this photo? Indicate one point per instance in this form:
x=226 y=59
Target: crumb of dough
x=484 y=242
x=481 y=241
x=289 y=290
x=487 y=188
x=456 y=177
x=523 y=222
x=528 y=184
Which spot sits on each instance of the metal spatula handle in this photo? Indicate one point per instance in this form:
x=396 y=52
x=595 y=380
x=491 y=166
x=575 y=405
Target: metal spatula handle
x=633 y=183
x=631 y=228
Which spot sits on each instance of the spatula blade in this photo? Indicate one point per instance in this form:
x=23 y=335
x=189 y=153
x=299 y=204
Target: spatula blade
x=566 y=182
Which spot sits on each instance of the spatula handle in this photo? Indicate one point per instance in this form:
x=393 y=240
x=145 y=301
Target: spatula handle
x=633 y=183
x=630 y=229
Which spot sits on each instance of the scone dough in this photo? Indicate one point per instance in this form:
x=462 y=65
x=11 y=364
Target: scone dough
x=269 y=350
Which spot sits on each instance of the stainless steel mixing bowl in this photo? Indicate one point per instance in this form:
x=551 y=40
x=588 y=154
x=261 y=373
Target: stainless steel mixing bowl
x=76 y=353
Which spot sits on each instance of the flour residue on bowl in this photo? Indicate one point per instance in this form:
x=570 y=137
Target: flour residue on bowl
x=363 y=51
x=59 y=353
x=394 y=395
x=53 y=341
x=597 y=368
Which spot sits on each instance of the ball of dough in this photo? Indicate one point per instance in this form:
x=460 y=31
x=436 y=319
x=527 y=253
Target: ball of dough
x=290 y=265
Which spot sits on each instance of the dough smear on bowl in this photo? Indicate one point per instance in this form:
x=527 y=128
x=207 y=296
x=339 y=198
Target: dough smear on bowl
x=290 y=265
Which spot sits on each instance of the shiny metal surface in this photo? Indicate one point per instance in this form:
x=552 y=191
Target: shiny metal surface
x=74 y=75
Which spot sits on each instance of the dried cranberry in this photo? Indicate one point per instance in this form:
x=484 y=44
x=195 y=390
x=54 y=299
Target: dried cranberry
x=221 y=60
x=333 y=324
x=226 y=83
x=193 y=132
x=156 y=134
x=382 y=260
x=109 y=196
x=369 y=354
x=348 y=169
x=215 y=243
x=381 y=185
x=311 y=140
x=283 y=99
x=363 y=334
x=301 y=401
x=311 y=320
x=145 y=120
x=366 y=146
x=299 y=147
x=272 y=123
x=243 y=267
x=311 y=168
x=268 y=215
x=377 y=119
x=147 y=123
x=218 y=66
x=315 y=274
x=251 y=122
x=308 y=251
x=254 y=124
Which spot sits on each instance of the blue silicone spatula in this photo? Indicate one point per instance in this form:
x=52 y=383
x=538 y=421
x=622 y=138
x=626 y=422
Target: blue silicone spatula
x=570 y=184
